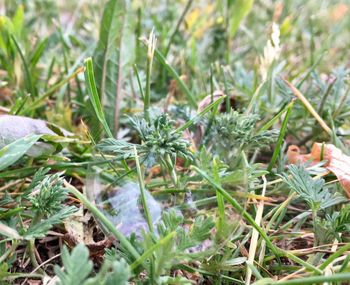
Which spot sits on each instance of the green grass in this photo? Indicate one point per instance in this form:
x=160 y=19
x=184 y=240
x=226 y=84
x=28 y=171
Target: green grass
x=159 y=174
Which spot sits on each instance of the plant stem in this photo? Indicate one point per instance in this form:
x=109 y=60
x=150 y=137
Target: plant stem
x=171 y=168
x=31 y=249
x=8 y=252
x=143 y=192
x=150 y=55
x=314 y=217
x=161 y=59
x=151 y=249
x=23 y=275
x=31 y=245
x=309 y=107
x=280 y=137
x=335 y=255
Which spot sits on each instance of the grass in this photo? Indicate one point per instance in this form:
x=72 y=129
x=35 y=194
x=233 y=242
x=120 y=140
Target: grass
x=152 y=143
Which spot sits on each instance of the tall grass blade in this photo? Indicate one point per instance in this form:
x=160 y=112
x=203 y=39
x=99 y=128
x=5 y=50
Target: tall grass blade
x=28 y=81
x=112 y=59
x=280 y=137
x=94 y=98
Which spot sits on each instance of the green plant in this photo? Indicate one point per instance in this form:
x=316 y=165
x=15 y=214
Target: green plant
x=78 y=268
x=161 y=144
x=214 y=171
x=47 y=193
x=314 y=193
x=234 y=132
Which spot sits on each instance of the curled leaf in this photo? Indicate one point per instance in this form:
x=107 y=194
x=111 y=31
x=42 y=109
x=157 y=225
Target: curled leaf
x=13 y=128
x=337 y=161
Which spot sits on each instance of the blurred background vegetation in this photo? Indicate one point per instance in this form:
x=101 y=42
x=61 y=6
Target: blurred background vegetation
x=200 y=39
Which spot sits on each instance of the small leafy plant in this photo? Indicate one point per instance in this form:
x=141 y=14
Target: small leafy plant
x=160 y=144
x=312 y=191
x=182 y=137
x=234 y=132
x=78 y=268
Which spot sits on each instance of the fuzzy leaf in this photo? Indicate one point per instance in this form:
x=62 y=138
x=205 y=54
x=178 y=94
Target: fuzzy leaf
x=120 y=273
x=310 y=190
x=77 y=266
x=40 y=229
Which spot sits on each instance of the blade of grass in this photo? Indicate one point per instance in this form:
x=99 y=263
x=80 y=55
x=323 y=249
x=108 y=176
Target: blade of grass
x=335 y=255
x=178 y=24
x=237 y=207
x=345 y=263
x=15 y=110
x=311 y=70
x=228 y=103
x=40 y=100
x=255 y=235
x=49 y=72
x=200 y=114
x=152 y=41
x=342 y=101
x=277 y=251
x=12 y=152
x=253 y=270
x=28 y=77
x=38 y=52
x=280 y=137
x=237 y=11
x=255 y=97
x=139 y=82
x=173 y=72
x=325 y=96
x=111 y=59
x=270 y=123
x=94 y=98
x=309 y=107
x=11 y=250
x=150 y=250
x=279 y=210
x=220 y=198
